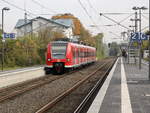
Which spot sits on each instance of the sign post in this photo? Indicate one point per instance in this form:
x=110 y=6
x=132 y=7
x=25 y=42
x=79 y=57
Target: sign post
x=9 y=35
x=138 y=37
x=4 y=37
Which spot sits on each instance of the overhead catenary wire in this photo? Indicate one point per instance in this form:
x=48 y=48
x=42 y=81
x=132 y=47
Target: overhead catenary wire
x=114 y=21
x=90 y=17
x=22 y=9
x=125 y=18
x=44 y=14
x=29 y=14
x=145 y=28
x=92 y=6
x=41 y=5
x=115 y=34
x=118 y=13
x=145 y=17
x=118 y=23
x=100 y=19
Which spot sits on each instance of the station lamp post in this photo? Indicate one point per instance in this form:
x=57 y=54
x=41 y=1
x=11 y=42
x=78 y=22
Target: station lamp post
x=140 y=46
x=3 y=40
x=132 y=26
x=149 y=41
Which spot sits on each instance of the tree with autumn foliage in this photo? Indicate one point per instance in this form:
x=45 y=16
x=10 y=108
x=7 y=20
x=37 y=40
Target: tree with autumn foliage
x=76 y=21
x=79 y=29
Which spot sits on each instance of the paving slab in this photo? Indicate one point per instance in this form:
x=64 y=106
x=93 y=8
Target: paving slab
x=128 y=90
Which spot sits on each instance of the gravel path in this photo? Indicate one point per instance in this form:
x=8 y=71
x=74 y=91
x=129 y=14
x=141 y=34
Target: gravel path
x=11 y=78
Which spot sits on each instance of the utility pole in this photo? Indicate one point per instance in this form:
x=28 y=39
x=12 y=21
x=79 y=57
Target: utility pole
x=149 y=40
x=140 y=43
x=136 y=21
x=134 y=31
x=3 y=40
x=25 y=18
x=136 y=27
x=25 y=22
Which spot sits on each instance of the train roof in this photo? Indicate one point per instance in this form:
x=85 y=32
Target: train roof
x=59 y=42
x=66 y=42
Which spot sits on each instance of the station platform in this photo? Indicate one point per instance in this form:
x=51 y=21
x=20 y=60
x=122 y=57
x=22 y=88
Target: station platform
x=126 y=90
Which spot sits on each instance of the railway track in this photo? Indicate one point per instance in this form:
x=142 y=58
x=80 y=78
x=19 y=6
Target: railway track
x=33 y=98
x=106 y=66
x=85 y=104
x=20 y=88
x=10 y=92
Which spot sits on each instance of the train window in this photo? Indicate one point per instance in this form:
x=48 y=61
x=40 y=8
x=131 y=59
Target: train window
x=73 y=52
x=59 y=50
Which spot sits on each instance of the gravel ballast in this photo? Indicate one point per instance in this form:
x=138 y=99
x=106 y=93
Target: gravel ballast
x=31 y=101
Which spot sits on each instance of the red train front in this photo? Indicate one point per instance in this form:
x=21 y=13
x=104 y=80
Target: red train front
x=63 y=55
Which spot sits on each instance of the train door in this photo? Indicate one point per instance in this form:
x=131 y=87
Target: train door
x=76 y=59
x=79 y=56
x=73 y=50
x=75 y=55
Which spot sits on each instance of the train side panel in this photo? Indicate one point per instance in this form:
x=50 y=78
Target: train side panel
x=64 y=55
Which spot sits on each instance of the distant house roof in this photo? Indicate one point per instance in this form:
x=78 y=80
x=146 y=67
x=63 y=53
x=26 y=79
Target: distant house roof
x=67 y=22
x=62 y=22
x=22 y=22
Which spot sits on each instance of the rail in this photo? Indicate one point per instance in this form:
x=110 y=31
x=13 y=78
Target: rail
x=85 y=104
x=67 y=92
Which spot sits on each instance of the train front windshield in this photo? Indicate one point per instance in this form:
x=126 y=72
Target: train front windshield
x=59 y=50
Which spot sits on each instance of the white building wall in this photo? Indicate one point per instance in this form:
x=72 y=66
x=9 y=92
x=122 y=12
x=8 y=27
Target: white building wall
x=39 y=24
x=68 y=32
x=24 y=30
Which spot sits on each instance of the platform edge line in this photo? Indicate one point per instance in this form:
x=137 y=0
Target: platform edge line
x=96 y=104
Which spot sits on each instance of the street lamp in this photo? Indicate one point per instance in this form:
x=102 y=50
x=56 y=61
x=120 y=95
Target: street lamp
x=132 y=26
x=3 y=40
x=140 y=9
x=149 y=41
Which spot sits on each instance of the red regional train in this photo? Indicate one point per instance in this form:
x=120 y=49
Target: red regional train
x=62 y=55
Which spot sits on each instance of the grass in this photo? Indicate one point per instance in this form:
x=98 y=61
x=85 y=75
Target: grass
x=10 y=68
x=146 y=59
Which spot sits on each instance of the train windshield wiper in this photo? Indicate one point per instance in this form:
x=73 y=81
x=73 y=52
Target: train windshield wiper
x=58 y=53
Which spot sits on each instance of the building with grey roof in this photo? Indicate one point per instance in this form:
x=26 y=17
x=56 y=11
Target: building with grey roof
x=67 y=22
x=27 y=26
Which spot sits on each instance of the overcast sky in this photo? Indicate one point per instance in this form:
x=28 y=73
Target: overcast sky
x=93 y=7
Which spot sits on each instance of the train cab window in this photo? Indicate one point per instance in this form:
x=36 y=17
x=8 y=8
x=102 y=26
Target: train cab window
x=59 y=50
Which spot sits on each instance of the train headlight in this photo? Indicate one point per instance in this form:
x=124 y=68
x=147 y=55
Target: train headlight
x=49 y=59
x=68 y=60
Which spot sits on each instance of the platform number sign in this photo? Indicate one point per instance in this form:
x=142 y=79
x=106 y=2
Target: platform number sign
x=9 y=35
x=138 y=36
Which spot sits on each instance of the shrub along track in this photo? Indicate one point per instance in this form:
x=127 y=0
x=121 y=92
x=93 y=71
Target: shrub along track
x=31 y=101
